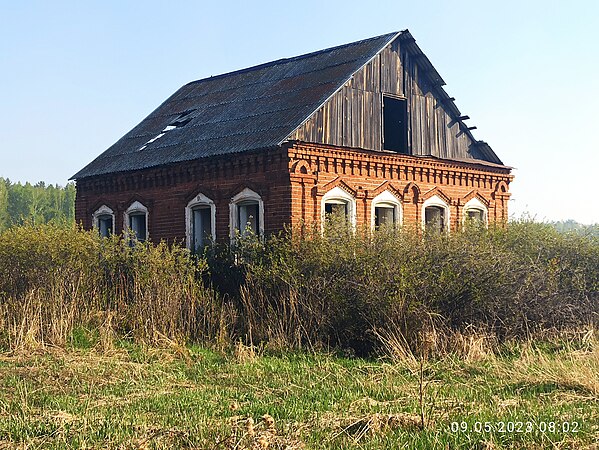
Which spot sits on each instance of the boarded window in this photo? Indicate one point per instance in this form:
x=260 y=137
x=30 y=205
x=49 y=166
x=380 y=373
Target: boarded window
x=201 y=227
x=475 y=215
x=384 y=216
x=395 y=124
x=336 y=208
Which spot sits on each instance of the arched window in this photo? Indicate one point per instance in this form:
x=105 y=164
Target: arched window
x=435 y=214
x=386 y=211
x=340 y=203
x=476 y=212
x=200 y=222
x=136 y=221
x=103 y=221
x=246 y=213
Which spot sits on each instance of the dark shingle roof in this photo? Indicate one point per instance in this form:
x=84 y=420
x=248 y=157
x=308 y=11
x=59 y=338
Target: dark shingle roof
x=238 y=111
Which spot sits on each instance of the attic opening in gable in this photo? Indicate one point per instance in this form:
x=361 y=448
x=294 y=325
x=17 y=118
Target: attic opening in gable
x=182 y=119
x=395 y=124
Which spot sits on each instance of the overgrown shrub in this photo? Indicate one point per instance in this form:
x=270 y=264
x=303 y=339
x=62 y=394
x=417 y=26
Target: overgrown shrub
x=356 y=290
x=350 y=289
x=54 y=279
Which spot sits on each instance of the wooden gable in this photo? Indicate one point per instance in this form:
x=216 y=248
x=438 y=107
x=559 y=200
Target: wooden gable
x=353 y=116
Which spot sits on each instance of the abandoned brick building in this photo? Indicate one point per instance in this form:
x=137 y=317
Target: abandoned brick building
x=364 y=129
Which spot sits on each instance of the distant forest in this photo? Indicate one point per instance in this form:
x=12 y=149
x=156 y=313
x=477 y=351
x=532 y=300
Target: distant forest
x=35 y=203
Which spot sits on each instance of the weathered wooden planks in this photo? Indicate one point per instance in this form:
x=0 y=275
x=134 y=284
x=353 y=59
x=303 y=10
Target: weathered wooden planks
x=352 y=117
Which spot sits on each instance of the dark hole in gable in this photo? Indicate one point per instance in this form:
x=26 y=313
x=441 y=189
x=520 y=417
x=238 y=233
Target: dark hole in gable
x=395 y=124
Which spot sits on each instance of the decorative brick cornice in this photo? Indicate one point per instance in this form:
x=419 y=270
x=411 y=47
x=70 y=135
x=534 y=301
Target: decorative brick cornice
x=316 y=158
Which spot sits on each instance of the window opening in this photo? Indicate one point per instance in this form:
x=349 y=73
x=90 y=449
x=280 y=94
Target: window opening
x=434 y=218
x=200 y=230
x=475 y=212
x=105 y=225
x=103 y=221
x=201 y=227
x=395 y=124
x=246 y=214
x=386 y=210
x=475 y=215
x=137 y=224
x=338 y=204
x=248 y=217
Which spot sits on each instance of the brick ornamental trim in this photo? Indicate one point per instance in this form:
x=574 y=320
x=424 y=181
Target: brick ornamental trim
x=291 y=181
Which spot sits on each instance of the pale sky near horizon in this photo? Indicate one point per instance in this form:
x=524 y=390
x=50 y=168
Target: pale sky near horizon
x=76 y=76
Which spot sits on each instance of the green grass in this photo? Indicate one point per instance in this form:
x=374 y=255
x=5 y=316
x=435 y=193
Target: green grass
x=134 y=397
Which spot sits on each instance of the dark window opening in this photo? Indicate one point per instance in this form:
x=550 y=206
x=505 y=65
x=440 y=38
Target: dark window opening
x=434 y=218
x=337 y=209
x=395 y=124
x=201 y=227
x=384 y=216
x=137 y=224
x=247 y=216
x=105 y=225
x=475 y=215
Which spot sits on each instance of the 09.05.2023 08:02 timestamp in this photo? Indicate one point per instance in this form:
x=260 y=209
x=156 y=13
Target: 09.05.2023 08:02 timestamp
x=515 y=427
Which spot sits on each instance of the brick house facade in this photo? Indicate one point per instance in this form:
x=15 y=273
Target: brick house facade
x=365 y=128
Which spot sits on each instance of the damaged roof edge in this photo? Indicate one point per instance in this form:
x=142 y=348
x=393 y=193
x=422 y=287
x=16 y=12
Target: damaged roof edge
x=170 y=97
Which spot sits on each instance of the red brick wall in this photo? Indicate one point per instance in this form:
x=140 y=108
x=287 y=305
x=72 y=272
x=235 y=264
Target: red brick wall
x=292 y=181
x=167 y=191
x=317 y=168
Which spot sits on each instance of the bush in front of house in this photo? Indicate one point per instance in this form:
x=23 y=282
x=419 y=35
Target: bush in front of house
x=355 y=289
x=56 y=279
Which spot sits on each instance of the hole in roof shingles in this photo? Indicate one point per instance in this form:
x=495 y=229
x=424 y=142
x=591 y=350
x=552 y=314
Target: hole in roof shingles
x=182 y=120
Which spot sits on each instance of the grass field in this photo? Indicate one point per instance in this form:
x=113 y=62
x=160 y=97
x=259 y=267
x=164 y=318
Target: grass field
x=130 y=397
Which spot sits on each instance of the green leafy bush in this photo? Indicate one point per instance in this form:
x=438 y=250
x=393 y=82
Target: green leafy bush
x=356 y=290
x=348 y=289
x=54 y=279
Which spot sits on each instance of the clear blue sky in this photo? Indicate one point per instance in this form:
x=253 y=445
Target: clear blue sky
x=76 y=75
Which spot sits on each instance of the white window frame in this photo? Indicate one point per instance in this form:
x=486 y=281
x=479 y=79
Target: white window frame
x=102 y=211
x=435 y=200
x=135 y=208
x=475 y=203
x=202 y=201
x=244 y=196
x=387 y=199
x=339 y=195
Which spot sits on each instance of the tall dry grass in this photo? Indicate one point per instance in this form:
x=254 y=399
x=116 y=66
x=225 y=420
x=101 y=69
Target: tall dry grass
x=54 y=279
x=363 y=292
x=434 y=293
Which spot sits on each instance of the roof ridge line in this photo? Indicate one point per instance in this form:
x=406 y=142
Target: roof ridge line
x=391 y=37
x=293 y=58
